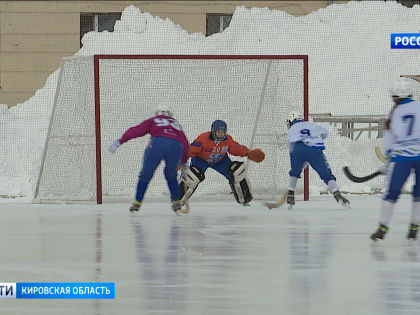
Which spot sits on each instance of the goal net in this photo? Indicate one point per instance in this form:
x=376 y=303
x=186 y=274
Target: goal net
x=99 y=97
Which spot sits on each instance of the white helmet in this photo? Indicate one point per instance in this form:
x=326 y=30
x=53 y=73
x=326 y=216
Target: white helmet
x=401 y=88
x=293 y=116
x=164 y=110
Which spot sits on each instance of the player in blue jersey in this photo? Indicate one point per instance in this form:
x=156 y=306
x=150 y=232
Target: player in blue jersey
x=402 y=148
x=306 y=145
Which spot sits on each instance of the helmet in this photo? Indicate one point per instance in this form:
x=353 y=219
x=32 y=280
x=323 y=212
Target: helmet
x=164 y=110
x=218 y=125
x=293 y=116
x=401 y=88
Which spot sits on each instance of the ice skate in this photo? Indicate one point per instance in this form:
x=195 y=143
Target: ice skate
x=380 y=233
x=176 y=205
x=412 y=232
x=290 y=199
x=341 y=200
x=135 y=206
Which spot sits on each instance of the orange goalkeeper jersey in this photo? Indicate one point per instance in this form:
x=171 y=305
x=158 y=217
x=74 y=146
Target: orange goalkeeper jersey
x=211 y=151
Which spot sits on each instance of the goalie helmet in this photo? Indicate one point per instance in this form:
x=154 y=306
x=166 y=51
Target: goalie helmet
x=402 y=88
x=293 y=117
x=216 y=127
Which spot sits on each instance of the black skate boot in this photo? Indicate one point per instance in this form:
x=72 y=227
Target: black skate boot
x=341 y=200
x=412 y=232
x=176 y=205
x=135 y=206
x=291 y=198
x=380 y=233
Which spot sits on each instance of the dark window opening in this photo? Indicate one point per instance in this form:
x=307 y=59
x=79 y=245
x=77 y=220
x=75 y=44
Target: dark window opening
x=98 y=22
x=216 y=23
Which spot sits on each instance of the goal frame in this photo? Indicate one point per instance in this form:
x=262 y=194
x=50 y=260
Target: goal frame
x=96 y=111
x=97 y=59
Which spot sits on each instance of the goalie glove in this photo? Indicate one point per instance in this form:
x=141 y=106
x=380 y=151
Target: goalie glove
x=114 y=146
x=256 y=155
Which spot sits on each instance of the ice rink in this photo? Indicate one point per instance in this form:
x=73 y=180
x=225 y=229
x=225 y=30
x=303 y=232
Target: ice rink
x=221 y=258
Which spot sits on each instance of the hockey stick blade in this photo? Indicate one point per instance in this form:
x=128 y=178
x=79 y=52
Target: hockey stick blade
x=277 y=204
x=359 y=179
x=380 y=155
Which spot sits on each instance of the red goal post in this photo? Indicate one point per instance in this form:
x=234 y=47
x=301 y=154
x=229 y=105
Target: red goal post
x=252 y=93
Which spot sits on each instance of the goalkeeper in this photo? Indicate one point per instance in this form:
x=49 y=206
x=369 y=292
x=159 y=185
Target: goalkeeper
x=168 y=142
x=210 y=149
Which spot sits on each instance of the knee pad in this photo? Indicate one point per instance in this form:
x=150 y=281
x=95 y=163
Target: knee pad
x=240 y=185
x=189 y=182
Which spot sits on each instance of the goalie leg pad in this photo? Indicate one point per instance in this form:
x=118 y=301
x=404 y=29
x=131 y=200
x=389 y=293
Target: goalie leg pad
x=239 y=183
x=189 y=182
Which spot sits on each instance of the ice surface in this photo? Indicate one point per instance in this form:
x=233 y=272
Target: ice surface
x=221 y=258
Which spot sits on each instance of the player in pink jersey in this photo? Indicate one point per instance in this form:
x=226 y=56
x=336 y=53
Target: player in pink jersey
x=168 y=142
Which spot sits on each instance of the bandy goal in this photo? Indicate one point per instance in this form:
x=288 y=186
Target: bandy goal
x=99 y=97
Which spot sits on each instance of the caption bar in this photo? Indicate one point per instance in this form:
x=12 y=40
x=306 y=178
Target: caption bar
x=57 y=290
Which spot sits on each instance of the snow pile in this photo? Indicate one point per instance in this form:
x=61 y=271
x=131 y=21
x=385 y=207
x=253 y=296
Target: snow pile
x=350 y=62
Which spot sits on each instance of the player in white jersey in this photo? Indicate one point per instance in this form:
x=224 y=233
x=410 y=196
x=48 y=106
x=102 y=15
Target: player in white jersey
x=402 y=148
x=306 y=143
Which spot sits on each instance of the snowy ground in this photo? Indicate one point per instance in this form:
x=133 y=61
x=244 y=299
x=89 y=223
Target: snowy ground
x=221 y=258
